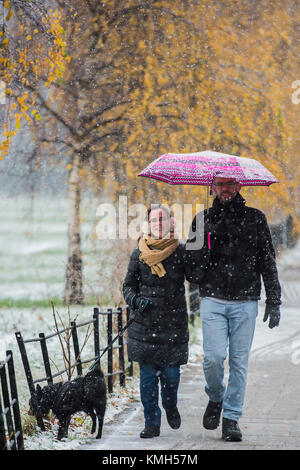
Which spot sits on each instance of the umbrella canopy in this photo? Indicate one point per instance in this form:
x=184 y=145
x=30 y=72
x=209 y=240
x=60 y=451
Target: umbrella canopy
x=200 y=168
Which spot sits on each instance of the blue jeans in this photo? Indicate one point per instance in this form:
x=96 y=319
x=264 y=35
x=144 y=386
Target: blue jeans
x=232 y=326
x=149 y=384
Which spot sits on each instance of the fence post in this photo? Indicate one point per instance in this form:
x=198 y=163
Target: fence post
x=76 y=348
x=131 y=363
x=46 y=358
x=6 y=403
x=96 y=332
x=15 y=400
x=110 y=350
x=29 y=378
x=121 y=347
x=2 y=429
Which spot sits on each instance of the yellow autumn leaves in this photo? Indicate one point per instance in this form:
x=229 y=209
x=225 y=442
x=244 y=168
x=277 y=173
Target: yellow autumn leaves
x=192 y=76
x=36 y=57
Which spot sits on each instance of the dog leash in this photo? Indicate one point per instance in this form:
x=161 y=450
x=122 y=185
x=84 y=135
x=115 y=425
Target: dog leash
x=121 y=332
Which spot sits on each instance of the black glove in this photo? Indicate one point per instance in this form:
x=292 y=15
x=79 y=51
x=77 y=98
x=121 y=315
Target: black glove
x=141 y=304
x=273 y=313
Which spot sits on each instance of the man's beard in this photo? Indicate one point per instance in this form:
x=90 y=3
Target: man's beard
x=226 y=201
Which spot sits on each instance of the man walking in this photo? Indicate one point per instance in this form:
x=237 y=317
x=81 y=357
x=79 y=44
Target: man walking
x=237 y=252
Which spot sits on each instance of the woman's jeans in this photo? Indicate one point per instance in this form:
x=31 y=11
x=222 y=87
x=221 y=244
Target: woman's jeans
x=169 y=381
x=232 y=326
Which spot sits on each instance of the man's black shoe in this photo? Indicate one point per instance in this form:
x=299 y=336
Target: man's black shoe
x=231 y=431
x=211 y=417
x=150 y=431
x=173 y=418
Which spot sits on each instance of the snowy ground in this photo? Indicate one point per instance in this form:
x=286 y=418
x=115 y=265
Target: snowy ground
x=33 y=241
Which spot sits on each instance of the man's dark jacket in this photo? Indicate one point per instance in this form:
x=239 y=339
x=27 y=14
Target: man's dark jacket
x=159 y=335
x=241 y=252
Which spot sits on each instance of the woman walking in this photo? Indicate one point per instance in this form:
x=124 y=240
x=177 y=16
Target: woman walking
x=158 y=338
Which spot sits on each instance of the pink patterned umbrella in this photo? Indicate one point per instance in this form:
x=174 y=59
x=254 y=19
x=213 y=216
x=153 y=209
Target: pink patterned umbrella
x=200 y=168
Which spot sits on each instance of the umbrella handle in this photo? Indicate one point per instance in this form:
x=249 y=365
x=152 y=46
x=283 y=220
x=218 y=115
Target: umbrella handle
x=208 y=240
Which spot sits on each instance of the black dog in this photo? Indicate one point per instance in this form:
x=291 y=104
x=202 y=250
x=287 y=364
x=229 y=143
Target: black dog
x=86 y=393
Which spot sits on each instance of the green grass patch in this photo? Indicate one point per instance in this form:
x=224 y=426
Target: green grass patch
x=44 y=303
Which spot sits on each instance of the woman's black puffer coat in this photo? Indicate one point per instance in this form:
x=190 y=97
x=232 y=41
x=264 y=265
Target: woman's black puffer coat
x=159 y=335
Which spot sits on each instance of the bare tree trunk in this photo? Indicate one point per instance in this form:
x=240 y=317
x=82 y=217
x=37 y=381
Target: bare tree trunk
x=73 y=287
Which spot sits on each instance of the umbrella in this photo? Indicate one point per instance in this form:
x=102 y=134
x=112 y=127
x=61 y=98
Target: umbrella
x=201 y=168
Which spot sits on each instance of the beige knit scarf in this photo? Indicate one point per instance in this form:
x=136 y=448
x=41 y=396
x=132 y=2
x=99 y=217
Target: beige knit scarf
x=154 y=250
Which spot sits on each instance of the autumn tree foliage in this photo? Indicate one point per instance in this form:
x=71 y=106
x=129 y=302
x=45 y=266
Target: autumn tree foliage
x=32 y=50
x=223 y=84
x=136 y=79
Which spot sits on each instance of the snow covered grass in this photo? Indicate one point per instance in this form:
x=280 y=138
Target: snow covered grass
x=33 y=253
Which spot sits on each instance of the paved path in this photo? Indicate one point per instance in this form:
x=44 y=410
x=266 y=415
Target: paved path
x=271 y=418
